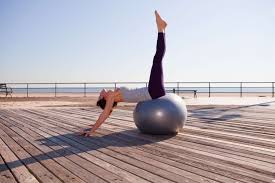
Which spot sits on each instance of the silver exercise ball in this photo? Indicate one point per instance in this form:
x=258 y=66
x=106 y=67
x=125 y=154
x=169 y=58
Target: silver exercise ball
x=165 y=115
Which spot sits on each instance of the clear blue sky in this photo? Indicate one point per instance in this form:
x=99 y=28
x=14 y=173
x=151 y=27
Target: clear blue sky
x=103 y=40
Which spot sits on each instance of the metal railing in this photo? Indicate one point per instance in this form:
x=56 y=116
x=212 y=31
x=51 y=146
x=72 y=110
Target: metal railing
x=85 y=88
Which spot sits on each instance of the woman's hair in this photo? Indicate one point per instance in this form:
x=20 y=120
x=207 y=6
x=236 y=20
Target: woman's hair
x=102 y=103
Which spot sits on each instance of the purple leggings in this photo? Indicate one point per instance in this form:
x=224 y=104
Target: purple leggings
x=156 y=86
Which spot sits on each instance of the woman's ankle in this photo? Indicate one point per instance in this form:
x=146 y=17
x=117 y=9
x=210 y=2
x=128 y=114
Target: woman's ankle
x=160 y=30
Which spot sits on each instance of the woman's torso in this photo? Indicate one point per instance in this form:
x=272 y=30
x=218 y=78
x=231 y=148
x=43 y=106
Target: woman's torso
x=134 y=95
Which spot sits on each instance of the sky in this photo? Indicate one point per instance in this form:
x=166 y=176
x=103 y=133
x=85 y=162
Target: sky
x=104 y=40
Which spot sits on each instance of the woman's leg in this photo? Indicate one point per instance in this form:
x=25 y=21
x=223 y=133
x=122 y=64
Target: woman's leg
x=156 y=84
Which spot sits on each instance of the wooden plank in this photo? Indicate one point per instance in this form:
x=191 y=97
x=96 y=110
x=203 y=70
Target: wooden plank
x=5 y=174
x=20 y=172
x=39 y=171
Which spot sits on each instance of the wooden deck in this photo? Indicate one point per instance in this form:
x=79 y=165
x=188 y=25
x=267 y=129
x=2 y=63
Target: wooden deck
x=219 y=144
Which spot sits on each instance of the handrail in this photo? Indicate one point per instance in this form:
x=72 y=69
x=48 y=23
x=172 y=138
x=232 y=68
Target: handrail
x=136 y=82
x=201 y=86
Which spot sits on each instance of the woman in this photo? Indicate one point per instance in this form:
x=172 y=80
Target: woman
x=109 y=99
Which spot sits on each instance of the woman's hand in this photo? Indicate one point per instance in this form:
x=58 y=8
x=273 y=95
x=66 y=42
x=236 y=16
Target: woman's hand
x=89 y=133
x=82 y=131
x=85 y=131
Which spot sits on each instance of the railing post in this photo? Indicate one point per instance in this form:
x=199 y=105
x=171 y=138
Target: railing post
x=146 y=84
x=241 y=89
x=178 y=87
x=272 y=89
x=27 y=90
x=54 y=89
x=84 y=89
x=115 y=85
x=209 y=91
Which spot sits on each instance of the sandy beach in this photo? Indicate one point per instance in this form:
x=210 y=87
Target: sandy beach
x=80 y=101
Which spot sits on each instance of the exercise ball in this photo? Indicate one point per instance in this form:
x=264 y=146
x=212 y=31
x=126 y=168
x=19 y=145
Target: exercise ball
x=164 y=115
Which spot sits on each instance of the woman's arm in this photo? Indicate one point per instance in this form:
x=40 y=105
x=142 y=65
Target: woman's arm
x=105 y=114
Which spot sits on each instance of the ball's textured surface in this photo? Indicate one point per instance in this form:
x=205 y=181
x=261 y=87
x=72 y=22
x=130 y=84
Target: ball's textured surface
x=165 y=115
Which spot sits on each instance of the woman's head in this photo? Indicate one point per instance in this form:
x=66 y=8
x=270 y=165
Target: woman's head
x=102 y=101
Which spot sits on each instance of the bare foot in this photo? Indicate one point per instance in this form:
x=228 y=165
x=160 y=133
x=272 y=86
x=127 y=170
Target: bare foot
x=160 y=22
